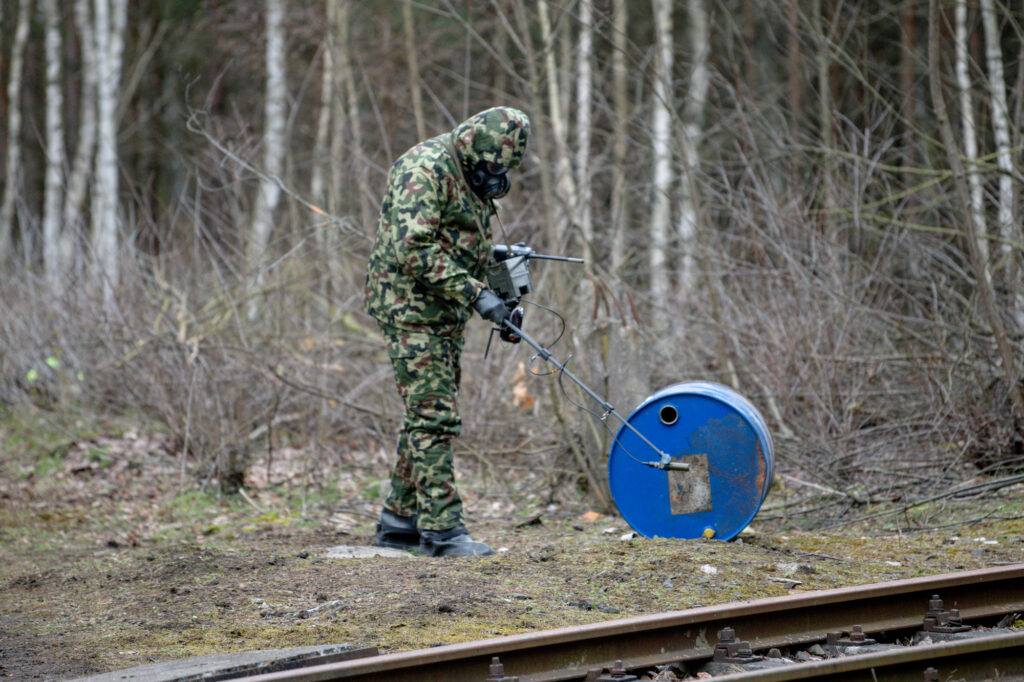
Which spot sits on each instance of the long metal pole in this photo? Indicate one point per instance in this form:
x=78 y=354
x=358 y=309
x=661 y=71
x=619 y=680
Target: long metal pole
x=665 y=460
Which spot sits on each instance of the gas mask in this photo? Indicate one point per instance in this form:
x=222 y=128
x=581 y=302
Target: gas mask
x=489 y=180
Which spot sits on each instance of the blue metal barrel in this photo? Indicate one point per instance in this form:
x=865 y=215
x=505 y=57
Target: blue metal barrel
x=725 y=441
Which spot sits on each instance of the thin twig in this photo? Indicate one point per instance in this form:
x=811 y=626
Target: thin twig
x=988 y=487
x=245 y=496
x=314 y=391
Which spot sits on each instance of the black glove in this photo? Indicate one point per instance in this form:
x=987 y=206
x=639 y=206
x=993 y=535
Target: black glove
x=491 y=307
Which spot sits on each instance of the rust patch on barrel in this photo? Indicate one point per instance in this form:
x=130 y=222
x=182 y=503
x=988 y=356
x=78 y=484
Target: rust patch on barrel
x=690 y=491
x=762 y=468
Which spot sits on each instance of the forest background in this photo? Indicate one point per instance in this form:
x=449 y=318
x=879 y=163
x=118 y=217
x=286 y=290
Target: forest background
x=816 y=203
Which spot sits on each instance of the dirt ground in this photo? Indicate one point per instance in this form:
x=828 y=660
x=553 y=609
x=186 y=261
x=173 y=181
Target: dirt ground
x=112 y=559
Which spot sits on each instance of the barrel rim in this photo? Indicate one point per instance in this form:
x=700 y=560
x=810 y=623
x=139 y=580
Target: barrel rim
x=735 y=401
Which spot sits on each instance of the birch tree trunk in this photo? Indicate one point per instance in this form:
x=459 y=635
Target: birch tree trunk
x=661 y=131
x=499 y=41
x=109 y=22
x=329 y=136
x=699 y=35
x=1017 y=135
x=908 y=57
x=1017 y=262
x=973 y=241
x=346 y=73
x=1000 y=119
x=969 y=132
x=273 y=146
x=322 y=147
x=322 y=141
x=412 y=60
x=584 y=104
x=562 y=33
x=824 y=64
x=336 y=24
x=794 y=77
x=78 y=178
x=565 y=197
x=12 y=167
x=540 y=147
x=620 y=101
x=1004 y=157
x=53 y=187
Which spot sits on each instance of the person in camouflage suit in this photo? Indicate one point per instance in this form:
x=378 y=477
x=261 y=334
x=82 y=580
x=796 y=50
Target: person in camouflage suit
x=425 y=276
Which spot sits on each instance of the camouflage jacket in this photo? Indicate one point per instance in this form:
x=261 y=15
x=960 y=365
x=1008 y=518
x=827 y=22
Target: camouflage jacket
x=433 y=235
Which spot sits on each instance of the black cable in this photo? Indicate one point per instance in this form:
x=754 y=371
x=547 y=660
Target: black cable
x=601 y=418
x=558 y=338
x=560 y=370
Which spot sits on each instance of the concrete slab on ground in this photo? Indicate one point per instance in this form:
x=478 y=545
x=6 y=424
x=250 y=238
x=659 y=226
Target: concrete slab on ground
x=229 y=666
x=364 y=552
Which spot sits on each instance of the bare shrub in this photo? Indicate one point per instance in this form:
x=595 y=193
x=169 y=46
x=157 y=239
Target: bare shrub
x=178 y=352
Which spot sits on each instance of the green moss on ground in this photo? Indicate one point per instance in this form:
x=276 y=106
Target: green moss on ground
x=109 y=562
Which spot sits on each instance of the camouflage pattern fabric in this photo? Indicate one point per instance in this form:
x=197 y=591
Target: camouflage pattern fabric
x=434 y=240
x=426 y=269
x=427 y=372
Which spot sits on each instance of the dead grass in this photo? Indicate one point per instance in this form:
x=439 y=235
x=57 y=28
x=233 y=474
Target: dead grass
x=111 y=561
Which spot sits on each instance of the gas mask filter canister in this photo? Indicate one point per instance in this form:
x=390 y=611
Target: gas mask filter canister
x=489 y=180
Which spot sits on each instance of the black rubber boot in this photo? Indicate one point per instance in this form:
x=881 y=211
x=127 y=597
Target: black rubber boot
x=397 y=532
x=452 y=542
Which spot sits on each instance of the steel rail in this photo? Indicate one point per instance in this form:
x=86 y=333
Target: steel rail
x=990 y=657
x=567 y=653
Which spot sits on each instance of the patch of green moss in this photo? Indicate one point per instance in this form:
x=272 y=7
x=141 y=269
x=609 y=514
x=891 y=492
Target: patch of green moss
x=160 y=572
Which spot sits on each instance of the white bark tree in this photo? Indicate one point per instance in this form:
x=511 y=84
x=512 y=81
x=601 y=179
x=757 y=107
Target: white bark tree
x=1000 y=117
x=565 y=197
x=78 y=177
x=366 y=198
x=824 y=61
x=699 y=36
x=540 y=147
x=969 y=130
x=323 y=120
x=326 y=176
x=274 y=121
x=620 y=100
x=584 y=105
x=12 y=167
x=661 y=145
x=1004 y=157
x=962 y=191
x=337 y=29
x=412 y=59
x=54 y=182
x=109 y=23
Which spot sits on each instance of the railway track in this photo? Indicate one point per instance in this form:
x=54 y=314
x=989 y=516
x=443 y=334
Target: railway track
x=997 y=656
x=837 y=624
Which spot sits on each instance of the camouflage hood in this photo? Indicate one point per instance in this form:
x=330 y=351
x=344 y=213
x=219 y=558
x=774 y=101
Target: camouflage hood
x=497 y=135
x=434 y=241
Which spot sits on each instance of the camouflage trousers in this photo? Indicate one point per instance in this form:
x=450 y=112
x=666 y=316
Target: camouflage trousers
x=427 y=373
